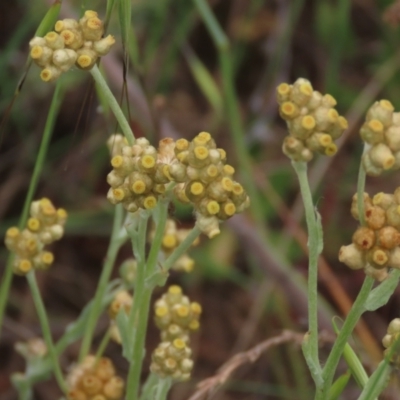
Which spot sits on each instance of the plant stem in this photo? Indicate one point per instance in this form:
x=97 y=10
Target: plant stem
x=182 y=248
x=40 y=159
x=116 y=241
x=40 y=309
x=314 y=248
x=103 y=344
x=116 y=109
x=163 y=388
x=351 y=320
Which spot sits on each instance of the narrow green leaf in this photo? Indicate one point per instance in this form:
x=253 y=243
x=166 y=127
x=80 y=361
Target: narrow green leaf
x=379 y=296
x=49 y=19
x=125 y=13
x=314 y=368
x=338 y=386
x=205 y=81
x=377 y=382
x=354 y=363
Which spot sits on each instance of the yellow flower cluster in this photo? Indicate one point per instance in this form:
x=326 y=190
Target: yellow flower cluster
x=175 y=316
x=73 y=42
x=94 y=380
x=391 y=339
x=381 y=131
x=45 y=225
x=198 y=169
x=171 y=240
x=312 y=120
x=376 y=246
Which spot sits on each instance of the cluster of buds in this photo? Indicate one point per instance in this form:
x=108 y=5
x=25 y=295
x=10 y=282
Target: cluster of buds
x=312 y=120
x=172 y=238
x=392 y=339
x=45 y=225
x=141 y=173
x=381 y=131
x=72 y=42
x=94 y=379
x=122 y=301
x=376 y=246
x=175 y=316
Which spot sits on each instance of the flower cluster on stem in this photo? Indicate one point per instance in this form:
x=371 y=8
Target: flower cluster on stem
x=176 y=317
x=198 y=169
x=312 y=120
x=381 y=131
x=45 y=225
x=376 y=246
x=73 y=42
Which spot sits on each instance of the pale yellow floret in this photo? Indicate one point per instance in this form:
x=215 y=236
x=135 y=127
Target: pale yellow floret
x=201 y=152
x=36 y=52
x=331 y=149
x=288 y=109
x=375 y=126
x=196 y=188
x=85 y=61
x=228 y=169
x=229 y=209
x=119 y=194
x=380 y=257
x=50 y=74
x=343 y=123
x=332 y=115
x=175 y=290
x=194 y=325
x=202 y=138
x=237 y=188
x=117 y=161
x=24 y=266
x=213 y=207
x=324 y=140
x=308 y=122
x=138 y=187
x=12 y=232
x=169 y=241
x=149 y=202
x=386 y=104
x=161 y=311
x=181 y=144
x=283 y=89
x=47 y=258
x=227 y=183
x=222 y=152
x=33 y=224
x=182 y=311
x=147 y=161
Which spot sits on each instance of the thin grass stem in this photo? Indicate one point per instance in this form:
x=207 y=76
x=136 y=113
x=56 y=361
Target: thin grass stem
x=37 y=299
x=118 y=237
x=113 y=103
x=39 y=162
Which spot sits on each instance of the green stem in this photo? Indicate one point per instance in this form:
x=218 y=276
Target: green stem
x=163 y=388
x=116 y=241
x=138 y=350
x=182 y=248
x=37 y=299
x=349 y=324
x=40 y=159
x=103 y=344
x=116 y=109
x=314 y=249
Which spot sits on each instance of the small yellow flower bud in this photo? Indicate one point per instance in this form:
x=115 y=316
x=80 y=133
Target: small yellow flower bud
x=50 y=74
x=283 y=92
x=22 y=267
x=72 y=38
x=33 y=224
x=378 y=257
x=382 y=156
x=91 y=384
x=202 y=138
x=149 y=202
x=208 y=225
x=288 y=110
x=388 y=237
x=41 y=55
x=67 y=23
x=54 y=40
x=383 y=200
x=103 y=46
x=114 y=388
x=64 y=58
x=92 y=29
x=375 y=217
x=86 y=59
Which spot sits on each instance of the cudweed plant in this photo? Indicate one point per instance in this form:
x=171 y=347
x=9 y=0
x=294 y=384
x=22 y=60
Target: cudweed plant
x=143 y=181
x=313 y=125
